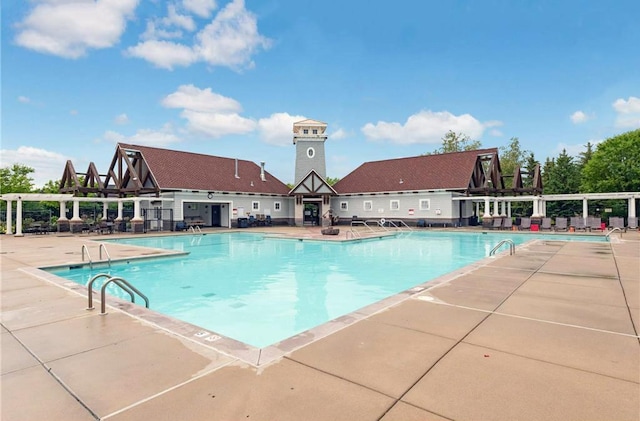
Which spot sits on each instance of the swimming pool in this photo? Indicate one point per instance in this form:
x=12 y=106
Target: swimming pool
x=261 y=290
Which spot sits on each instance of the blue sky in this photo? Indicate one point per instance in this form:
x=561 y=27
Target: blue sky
x=390 y=79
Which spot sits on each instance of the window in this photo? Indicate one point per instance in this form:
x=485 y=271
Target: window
x=255 y=206
x=311 y=152
x=276 y=206
x=424 y=204
x=394 y=205
x=305 y=131
x=315 y=131
x=344 y=206
x=368 y=205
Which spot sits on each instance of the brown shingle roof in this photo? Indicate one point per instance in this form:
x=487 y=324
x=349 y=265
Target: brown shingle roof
x=176 y=170
x=429 y=172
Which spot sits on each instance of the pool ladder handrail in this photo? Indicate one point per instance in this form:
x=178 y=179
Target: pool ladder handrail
x=614 y=229
x=90 y=289
x=378 y=222
x=363 y=223
x=512 y=247
x=121 y=282
x=106 y=252
x=402 y=225
x=195 y=229
x=117 y=280
x=85 y=248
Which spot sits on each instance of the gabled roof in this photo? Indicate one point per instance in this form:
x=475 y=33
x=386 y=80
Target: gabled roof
x=450 y=171
x=177 y=170
x=312 y=184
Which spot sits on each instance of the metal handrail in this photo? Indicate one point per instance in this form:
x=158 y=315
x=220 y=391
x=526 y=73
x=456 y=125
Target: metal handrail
x=378 y=222
x=195 y=228
x=84 y=247
x=614 y=229
x=512 y=247
x=401 y=223
x=354 y=234
x=104 y=275
x=117 y=280
x=102 y=246
x=363 y=223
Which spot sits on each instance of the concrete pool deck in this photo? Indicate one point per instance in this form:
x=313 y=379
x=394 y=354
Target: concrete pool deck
x=550 y=333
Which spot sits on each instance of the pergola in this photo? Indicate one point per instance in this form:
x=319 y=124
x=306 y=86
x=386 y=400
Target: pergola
x=63 y=199
x=502 y=205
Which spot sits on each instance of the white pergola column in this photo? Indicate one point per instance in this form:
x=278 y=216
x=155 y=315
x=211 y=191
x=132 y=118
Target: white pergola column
x=509 y=209
x=136 y=210
x=120 y=207
x=477 y=208
x=105 y=206
x=487 y=210
x=76 y=211
x=9 y=217
x=543 y=207
x=63 y=211
x=502 y=211
x=19 y=218
x=495 y=207
x=631 y=210
x=535 y=211
x=585 y=209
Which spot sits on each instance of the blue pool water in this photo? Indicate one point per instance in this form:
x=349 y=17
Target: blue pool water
x=262 y=290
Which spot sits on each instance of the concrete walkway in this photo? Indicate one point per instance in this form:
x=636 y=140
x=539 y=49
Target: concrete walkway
x=550 y=333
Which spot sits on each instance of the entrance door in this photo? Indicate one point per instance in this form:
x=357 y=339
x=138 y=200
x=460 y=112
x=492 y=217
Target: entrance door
x=311 y=214
x=215 y=215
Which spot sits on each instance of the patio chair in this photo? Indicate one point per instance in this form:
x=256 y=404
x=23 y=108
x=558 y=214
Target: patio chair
x=496 y=224
x=525 y=223
x=577 y=222
x=616 y=222
x=632 y=222
x=594 y=223
x=267 y=220
x=561 y=224
x=507 y=224
x=546 y=224
x=252 y=221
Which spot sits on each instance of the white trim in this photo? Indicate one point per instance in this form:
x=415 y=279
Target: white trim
x=364 y=205
x=394 y=205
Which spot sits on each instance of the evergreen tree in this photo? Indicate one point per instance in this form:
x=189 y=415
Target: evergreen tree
x=561 y=176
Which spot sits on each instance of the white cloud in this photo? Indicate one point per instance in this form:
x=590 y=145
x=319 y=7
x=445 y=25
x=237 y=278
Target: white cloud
x=426 y=127
x=229 y=40
x=70 y=28
x=209 y=113
x=338 y=134
x=149 y=137
x=579 y=117
x=164 y=54
x=277 y=129
x=121 y=119
x=47 y=165
x=73 y=112
x=628 y=112
x=496 y=133
x=195 y=99
x=202 y=8
x=24 y=99
x=175 y=18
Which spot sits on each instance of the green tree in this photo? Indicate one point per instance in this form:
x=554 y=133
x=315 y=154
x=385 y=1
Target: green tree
x=332 y=180
x=457 y=142
x=586 y=155
x=16 y=179
x=614 y=166
x=512 y=156
x=562 y=175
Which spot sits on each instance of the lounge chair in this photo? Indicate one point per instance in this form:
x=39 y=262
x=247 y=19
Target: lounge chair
x=252 y=221
x=577 y=222
x=546 y=224
x=632 y=223
x=267 y=220
x=496 y=223
x=507 y=224
x=561 y=224
x=525 y=223
x=616 y=222
x=594 y=223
